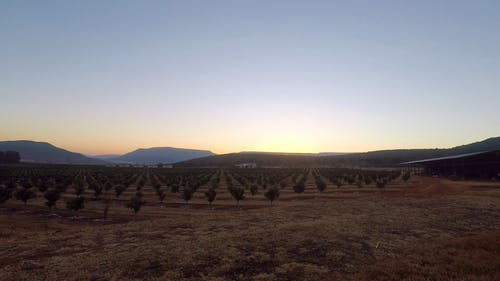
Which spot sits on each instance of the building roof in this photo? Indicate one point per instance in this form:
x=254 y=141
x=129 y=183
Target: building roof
x=444 y=158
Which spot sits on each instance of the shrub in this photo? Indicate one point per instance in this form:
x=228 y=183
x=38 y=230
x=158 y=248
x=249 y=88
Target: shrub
x=119 y=189
x=78 y=189
x=238 y=194
x=52 y=196
x=282 y=184
x=24 y=194
x=381 y=183
x=368 y=180
x=320 y=184
x=5 y=193
x=26 y=184
x=174 y=188
x=76 y=203
x=161 y=194
x=406 y=176
x=299 y=187
x=108 y=186
x=11 y=185
x=98 y=188
x=187 y=194
x=254 y=189
x=214 y=183
x=210 y=194
x=272 y=194
x=47 y=184
x=135 y=203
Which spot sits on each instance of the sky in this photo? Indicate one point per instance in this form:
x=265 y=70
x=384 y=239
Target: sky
x=105 y=77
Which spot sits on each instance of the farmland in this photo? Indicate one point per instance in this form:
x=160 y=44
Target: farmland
x=110 y=223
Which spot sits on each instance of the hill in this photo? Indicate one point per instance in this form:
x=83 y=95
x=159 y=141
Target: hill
x=105 y=156
x=42 y=152
x=372 y=158
x=260 y=158
x=396 y=156
x=157 y=155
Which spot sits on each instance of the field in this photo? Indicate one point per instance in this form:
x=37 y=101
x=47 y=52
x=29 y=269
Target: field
x=326 y=224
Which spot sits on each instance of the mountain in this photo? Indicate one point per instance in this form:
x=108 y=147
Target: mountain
x=104 y=156
x=155 y=155
x=42 y=152
x=396 y=156
x=378 y=158
x=485 y=145
x=260 y=158
x=268 y=159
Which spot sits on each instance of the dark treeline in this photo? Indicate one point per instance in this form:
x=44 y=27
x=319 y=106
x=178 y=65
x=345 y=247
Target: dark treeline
x=9 y=157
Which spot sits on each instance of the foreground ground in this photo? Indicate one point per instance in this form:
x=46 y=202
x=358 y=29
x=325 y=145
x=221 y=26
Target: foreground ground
x=429 y=229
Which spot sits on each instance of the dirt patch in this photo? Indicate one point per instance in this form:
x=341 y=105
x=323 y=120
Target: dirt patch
x=337 y=235
x=474 y=257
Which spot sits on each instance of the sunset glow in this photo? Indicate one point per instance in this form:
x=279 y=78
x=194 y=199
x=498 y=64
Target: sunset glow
x=235 y=76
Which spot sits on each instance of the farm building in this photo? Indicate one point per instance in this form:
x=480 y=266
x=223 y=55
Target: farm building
x=484 y=165
x=247 y=165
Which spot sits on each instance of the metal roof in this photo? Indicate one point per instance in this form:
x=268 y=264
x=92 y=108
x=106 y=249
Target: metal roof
x=444 y=158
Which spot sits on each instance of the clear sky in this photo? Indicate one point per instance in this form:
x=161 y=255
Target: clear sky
x=301 y=76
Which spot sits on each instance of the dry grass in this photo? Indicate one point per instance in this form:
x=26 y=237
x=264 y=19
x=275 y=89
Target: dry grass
x=353 y=234
x=469 y=258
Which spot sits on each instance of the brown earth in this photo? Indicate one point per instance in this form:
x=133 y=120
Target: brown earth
x=428 y=229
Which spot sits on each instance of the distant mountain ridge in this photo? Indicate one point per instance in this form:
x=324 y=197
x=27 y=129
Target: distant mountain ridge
x=291 y=153
x=104 y=156
x=373 y=158
x=396 y=156
x=156 y=155
x=43 y=152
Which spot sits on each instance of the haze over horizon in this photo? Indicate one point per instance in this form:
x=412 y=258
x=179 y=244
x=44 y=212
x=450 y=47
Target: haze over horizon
x=287 y=76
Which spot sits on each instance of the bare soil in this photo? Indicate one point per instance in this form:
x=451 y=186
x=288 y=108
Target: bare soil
x=428 y=229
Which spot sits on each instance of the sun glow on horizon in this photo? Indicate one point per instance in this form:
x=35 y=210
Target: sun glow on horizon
x=270 y=76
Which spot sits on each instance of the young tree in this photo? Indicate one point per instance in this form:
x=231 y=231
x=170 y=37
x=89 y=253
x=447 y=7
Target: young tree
x=79 y=189
x=210 y=194
x=238 y=194
x=161 y=194
x=282 y=184
x=11 y=185
x=26 y=183
x=350 y=179
x=107 y=205
x=119 y=189
x=107 y=186
x=135 y=203
x=174 y=188
x=254 y=189
x=272 y=194
x=359 y=184
x=214 y=183
x=5 y=193
x=76 y=203
x=320 y=184
x=24 y=194
x=79 y=182
x=52 y=196
x=381 y=183
x=299 y=187
x=46 y=184
x=368 y=180
x=338 y=183
x=406 y=176
x=98 y=188
x=187 y=194
x=141 y=184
